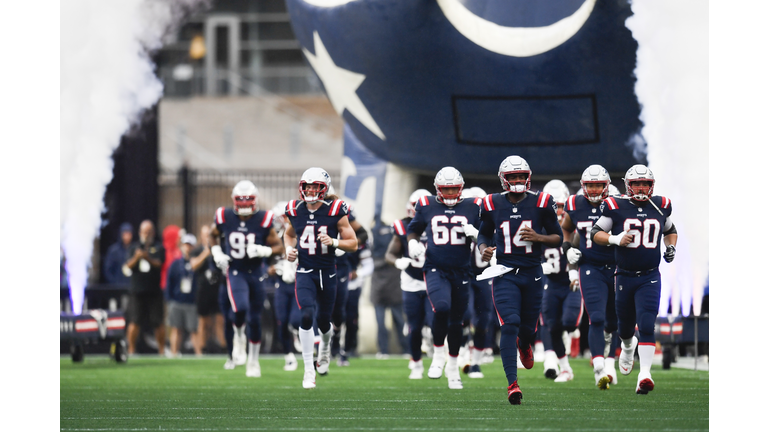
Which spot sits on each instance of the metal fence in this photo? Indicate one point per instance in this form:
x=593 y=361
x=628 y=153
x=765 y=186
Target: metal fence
x=189 y=197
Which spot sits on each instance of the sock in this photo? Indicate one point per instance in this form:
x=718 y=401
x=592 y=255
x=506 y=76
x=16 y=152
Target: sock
x=307 y=339
x=452 y=366
x=439 y=351
x=239 y=331
x=645 y=352
x=253 y=351
x=610 y=364
x=476 y=356
x=325 y=339
x=598 y=363
x=564 y=365
x=626 y=343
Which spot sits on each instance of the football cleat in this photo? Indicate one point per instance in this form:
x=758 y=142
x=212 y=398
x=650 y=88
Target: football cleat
x=436 y=368
x=550 y=373
x=627 y=357
x=526 y=357
x=229 y=364
x=253 y=369
x=239 y=344
x=487 y=356
x=564 y=376
x=514 y=395
x=602 y=380
x=417 y=370
x=454 y=379
x=322 y=364
x=474 y=372
x=342 y=362
x=290 y=362
x=309 y=380
x=610 y=370
x=644 y=383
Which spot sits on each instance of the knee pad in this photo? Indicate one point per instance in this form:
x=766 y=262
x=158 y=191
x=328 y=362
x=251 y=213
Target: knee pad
x=646 y=323
x=239 y=318
x=513 y=319
x=307 y=317
x=597 y=318
x=441 y=307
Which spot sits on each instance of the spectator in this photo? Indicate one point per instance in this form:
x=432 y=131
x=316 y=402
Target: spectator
x=386 y=294
x=117 y=255
x=210 y=319
x=180 y=292
x=145 y=297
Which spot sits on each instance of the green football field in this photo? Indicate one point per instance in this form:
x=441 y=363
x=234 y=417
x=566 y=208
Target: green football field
x=191 y=394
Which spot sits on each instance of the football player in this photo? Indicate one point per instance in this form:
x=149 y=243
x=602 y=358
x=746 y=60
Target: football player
x=283 y=274
x=311 y=237
x=247 y=237
x=447 y=220
x=520 y=223
x=481 y=304
x=596 y=266
x=418 y=310
x=561 y=304
x=639 y=220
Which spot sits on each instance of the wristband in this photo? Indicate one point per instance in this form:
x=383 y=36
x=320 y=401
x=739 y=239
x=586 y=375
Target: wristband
x=616 y=239
x=573 y=275
x=335 y=243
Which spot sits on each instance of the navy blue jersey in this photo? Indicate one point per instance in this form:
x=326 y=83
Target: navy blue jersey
x=558 y=264
x=237 y=235
x=416 y=268
x=502 y=221
x=342 y=262
x=645 y=223
x=584 y=215
x=309 y=224
x=447 y=246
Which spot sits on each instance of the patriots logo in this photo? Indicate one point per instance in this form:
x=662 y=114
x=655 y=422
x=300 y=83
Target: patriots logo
x=346 y=207
x=389 y=69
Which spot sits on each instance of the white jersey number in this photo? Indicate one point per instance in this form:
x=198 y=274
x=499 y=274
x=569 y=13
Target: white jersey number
x=307 y=240
x=505 y=229
x=442 y=235
x=238 y=243
x=553 y=259
x=648 y=237
x=587 y=226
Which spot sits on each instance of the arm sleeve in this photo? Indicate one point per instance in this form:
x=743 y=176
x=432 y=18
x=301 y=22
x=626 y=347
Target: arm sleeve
x=668 y=225
x=487 y=228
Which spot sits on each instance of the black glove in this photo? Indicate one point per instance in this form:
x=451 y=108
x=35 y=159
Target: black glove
x=669 y=255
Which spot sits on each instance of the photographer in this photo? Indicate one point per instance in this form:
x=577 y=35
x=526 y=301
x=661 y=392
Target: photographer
x=145 y=304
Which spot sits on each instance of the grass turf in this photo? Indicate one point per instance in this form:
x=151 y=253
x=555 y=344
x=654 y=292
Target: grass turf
x=370 y=395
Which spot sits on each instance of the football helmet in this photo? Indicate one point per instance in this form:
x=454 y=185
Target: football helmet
x=245 y=198
x=560 y=193
x=316 y=176
x=613 y=190
x=410 y=207
x=279 y=219
x=473 y=192
x=595 y=174
x=636 y=174
x=449 y=177
x=514 y=165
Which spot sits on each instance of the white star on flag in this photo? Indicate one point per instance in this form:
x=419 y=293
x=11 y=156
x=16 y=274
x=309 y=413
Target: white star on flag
x=341 y=86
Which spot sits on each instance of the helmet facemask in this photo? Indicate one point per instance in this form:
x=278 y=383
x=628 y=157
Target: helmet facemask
x=449 y=199
x=311 y=196
x=639 y=192
x=595 y=197
x=518 y=185
x=245 y=205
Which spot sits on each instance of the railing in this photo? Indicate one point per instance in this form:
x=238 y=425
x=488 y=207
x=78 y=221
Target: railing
x=270 y=80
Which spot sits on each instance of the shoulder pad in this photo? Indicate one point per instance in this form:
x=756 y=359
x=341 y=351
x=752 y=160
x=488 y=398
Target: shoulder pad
x=218 y=217
x=488 y=203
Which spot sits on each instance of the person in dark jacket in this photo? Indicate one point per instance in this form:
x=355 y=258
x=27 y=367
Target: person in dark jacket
x=117 y=255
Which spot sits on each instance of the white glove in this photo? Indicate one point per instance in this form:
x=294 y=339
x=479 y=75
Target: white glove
x=573 y=276
x=573 y=255
x=469 y=230
x=289 y=271
x=402 y=263
x=546 y=268
x=220 y=258
x=339 y=252
x=616 y=239
x=493 y=260
x=258 y=251
x=415 y=249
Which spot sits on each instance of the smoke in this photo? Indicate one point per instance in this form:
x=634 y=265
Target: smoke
x=107 y=80
x=672 y=88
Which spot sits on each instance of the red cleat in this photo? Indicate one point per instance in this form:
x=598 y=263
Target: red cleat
x=514 y=395
x=526 y=357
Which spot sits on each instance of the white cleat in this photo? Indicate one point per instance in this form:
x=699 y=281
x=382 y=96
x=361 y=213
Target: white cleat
x=464 y=359
x=309 y=380
x=230 y=364
x=253 y=369
x=454 y=379
x=417 y=370
x=644 y=383
x=487 y=356
x=627 y=357
x=436 y=368
x=602 y=380
x=475 y=372
x=610 y=370
x=239 y=345
x=322 y=364
x=290 y=362
x=565 y=376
